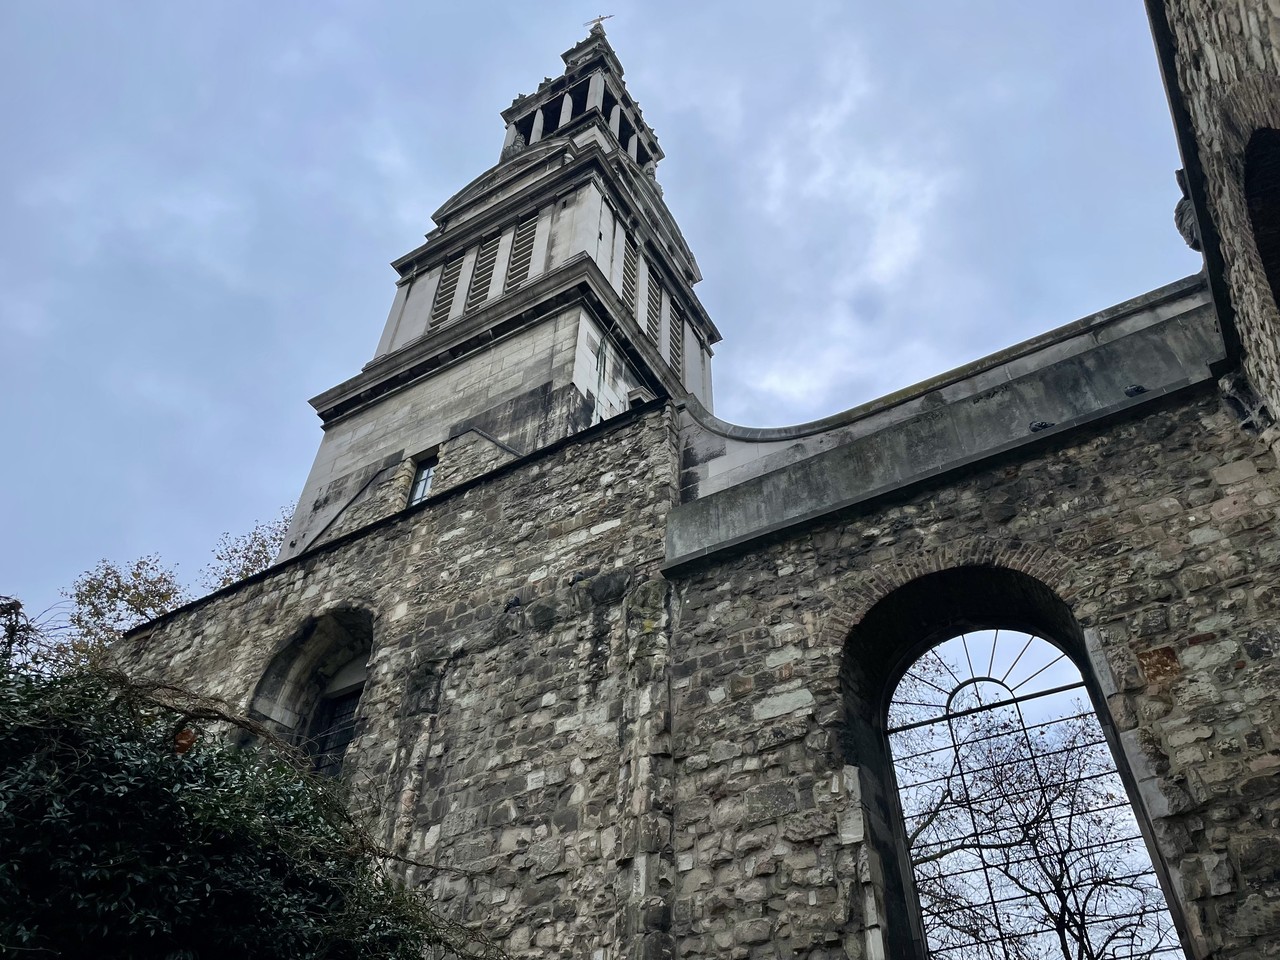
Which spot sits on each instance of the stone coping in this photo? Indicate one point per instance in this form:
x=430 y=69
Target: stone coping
x=1167 y=293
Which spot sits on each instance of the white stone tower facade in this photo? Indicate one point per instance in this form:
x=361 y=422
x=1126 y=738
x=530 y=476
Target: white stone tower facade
x=555 y=292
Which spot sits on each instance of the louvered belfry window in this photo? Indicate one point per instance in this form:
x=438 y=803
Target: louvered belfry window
x=629 y=257
x=653 y=308
x=445 y=292
x=676 y=340
x=521 y=252
x=483 y=274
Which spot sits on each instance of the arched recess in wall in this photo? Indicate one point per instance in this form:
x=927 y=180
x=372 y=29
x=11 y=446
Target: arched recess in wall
x=310 y=692
x=889 y=639
x=1262 y=196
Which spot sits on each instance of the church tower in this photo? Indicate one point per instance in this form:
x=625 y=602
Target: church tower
x=555 y=292
x=619 y=685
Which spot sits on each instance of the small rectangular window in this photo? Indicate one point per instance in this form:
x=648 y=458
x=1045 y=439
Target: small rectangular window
x=521 y=252
x=422 y=478
x=445 y=292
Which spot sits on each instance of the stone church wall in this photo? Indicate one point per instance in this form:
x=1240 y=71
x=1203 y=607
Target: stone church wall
x=624 y=763
x=594 y=745
x=514 y=718
x=1159 y=536
x=1228 y=69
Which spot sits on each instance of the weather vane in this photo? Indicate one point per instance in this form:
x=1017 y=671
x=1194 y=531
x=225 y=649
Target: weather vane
x=598 y=21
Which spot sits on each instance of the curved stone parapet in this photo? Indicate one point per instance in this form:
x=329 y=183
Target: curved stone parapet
x=741 y=482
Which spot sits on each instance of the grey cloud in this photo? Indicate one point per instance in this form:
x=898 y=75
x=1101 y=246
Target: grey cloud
x=874 y=192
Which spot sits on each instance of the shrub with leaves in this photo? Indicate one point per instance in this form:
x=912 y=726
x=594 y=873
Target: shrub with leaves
x=129 y=828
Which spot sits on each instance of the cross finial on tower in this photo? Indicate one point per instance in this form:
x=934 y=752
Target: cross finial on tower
x=597 y=24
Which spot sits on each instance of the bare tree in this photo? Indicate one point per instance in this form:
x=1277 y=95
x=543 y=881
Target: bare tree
x=237 y=557
x=111 y=598
x=1022 y=842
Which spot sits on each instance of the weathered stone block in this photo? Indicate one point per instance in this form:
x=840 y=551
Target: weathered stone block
x=752 y=931
x=770 y=801
x=1160 y=666
x=1234 y=472
x=783 y=703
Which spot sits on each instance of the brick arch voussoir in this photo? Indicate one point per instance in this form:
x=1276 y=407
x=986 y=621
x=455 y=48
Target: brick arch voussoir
x=295 y=627
x=1039 y=561
x=292 y=639
x=295 y=648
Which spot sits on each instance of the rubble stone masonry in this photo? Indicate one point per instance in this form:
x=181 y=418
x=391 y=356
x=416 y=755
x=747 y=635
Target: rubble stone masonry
x=602 y=761
x=1228 y=72
x=1159 y=536
x=514 y=720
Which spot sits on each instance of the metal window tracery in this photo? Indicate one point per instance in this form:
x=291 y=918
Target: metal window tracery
x=1021 y=839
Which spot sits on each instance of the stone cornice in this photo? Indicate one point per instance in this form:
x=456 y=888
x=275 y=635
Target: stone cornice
x=578 y=281
x=1171 y=293
x=1079 y=377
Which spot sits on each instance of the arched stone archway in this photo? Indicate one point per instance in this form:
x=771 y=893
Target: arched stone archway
x=885 y=640
x=326 y=648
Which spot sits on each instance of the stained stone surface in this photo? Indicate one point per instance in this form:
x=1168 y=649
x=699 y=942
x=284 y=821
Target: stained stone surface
x=537 y=763
x=1228 y=72
x=631 y=764
x=1159 y=534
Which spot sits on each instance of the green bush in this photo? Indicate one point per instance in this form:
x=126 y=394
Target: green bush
x=119 y=837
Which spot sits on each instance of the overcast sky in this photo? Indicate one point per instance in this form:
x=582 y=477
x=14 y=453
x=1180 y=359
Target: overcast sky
x=198 y=203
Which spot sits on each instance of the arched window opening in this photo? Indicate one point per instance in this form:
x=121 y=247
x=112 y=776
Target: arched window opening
x=1020 y=837
x=310 y=692
x=1262 y=195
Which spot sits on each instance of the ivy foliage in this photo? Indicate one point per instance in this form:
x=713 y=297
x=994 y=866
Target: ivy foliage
x=128 y=828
